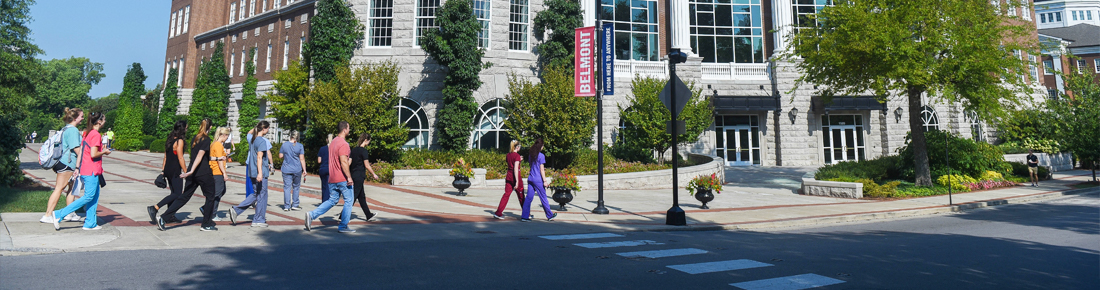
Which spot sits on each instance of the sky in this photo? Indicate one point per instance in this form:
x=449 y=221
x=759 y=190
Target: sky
x=116 y=33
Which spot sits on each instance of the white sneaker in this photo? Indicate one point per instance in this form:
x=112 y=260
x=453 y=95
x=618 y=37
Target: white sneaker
x=259 y=225
x=45 y=219
x=96 y=228
x=347 y=231
x=72 y=217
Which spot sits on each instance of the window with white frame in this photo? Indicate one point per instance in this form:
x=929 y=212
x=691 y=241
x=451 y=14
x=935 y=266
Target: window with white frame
x=976 y=132
x=1096 y=65
x=172 y=26
x=232 y=12
x=1089 y=14
x=929 y=119
x=489 y=129
x=286 y=24
x=255 y=52
x=804 y=11
x=518 y=19
x=167 y=70
x=267 y=62
x=636 y=34
x=1048 y=67
x=232 y=62
x=304 y=18
x=1032 y=69
x=1012 y=11
x=381 y=23
x=264 y=7
x=1042 y=18
x=286 y=52
x=723 y=32
x=412 y=116
x=1082 y=66
x=244 y=58
x=179 y=22
x=425 y=17
x=241 y=16
x=179 y=79
x=482 y=9
x=186 y=18
x=251 y=8
x=1057 y=16
x=301 y=44
x=277 y=4
x=1026 y=10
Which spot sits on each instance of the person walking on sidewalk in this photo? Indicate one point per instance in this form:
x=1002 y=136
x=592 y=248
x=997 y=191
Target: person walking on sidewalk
x=322 y=159
x=512 y=179
x=294 y=164
x=172 y=167
x=339 y=171
x=535 y=181
x=200 y=176
x=360 y=164
x=70 y=142
x=259 y=167
x=109 y=138
x=91 y=170
x=1033 y=167
x=248 y=190
x=218 y=158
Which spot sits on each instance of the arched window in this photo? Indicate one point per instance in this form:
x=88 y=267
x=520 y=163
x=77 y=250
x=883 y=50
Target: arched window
x=928 y=117
x=489 y=129
x=975 y=126
x=620 y=136
x=410 y=114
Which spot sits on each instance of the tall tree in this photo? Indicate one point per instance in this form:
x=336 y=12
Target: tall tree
x=66 y=83
x=647 y=116
x=131 y=118
x=561 y=17
x=149 y=109
x=210 y=98
x=550 y=110
x=249 y=111
x=167 y=116
x=1077 y=118
x=961 y=51
x=454 y=46
x=334 y=34
x=288 y=98
x=19 y=74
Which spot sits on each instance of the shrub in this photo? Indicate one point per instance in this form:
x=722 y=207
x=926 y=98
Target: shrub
x=878 y=169
x=240 y=152
x=631 y=152
x=551 y=111
x=384 y=171
x=1012 y=147
x=128 y=145
x=991 y=175
x=157 y=146
x=874 y=190
x=989 y=184
x=967 y=156
x=278 y=162
x=1020 y=170
x=956 y=182
x=147 y=141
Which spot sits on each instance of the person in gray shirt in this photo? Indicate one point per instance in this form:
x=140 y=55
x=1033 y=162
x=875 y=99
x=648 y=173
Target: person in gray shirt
x=294 y=160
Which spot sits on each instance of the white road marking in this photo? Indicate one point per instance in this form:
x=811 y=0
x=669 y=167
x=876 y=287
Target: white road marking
x=662 y=253
x=796 y=282
x=618 y=244
x=581 y=236
x=710 y=267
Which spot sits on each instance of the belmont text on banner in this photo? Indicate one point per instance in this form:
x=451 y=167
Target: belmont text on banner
x=584 y=77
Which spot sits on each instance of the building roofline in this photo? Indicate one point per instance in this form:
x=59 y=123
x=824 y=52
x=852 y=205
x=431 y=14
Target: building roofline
x=218 y=32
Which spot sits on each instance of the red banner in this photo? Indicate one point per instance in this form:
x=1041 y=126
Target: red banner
x=584 y=77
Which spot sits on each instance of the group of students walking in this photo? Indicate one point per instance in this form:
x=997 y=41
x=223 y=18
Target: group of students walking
x=343 y=173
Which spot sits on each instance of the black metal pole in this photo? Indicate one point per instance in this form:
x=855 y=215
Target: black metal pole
x=600 y=209
x=946 y=150
x=675 y=215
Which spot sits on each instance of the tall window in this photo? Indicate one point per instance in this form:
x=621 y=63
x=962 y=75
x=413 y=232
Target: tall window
x=804 y=11
x=410 y=114
x=723 y=32
x=232 y=12
x=286 y=52
x=244 y=55
x=172 y=26
x=929 y=119
x=1082 y=66
x=381 y=23
x=241 y=16
x=267 y=62
x=518 y=18
x=301 y=43
x=1048 y=67
x=489 y=130
x=179 y=21
x=976 y=132
x=232 y=62
x=179 y=79
x=1096 y=65
x=425 y=17
x=251 y=7
x=186 y=18
x=635 y=28
x=481 y=11
x=1034 y=70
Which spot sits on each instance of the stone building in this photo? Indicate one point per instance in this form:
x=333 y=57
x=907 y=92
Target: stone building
x=759 y=120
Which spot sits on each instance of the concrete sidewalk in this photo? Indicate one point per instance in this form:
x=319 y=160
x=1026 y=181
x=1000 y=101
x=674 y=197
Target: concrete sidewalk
x=419 y=213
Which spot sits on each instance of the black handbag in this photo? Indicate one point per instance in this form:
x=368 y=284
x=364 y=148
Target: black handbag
x=102 y=182
x=161 y=181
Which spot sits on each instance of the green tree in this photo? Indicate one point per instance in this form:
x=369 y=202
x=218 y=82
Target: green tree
x=551 y=111
x=334 y=34
x=108 y=104
x=150 y=102
x=167 y=116
x=366 y=97
x=648 y=117
x=561 y=17
x=19 y=71
x=131 y=118
x=66 y=83
x=288 y=98
x=249 y=112
x=454 y=46
x=1077 y=118
x=210 y=99
x=960 y=51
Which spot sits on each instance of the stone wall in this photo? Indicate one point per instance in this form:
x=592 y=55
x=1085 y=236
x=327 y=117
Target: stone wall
x=435 y=177
x=1053 y=162
x=811 y=186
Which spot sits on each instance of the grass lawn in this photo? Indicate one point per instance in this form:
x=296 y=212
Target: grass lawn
x=27 y=198
x=1086 y=184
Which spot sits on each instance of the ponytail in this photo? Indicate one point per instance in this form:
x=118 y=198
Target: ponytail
x=204 y=128
x=262 y=125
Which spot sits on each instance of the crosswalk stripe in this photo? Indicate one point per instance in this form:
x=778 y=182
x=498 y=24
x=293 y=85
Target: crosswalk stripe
x=796 y=282
x=710 y=267
x=581 y=236
x=618 y=244
x=662 y=253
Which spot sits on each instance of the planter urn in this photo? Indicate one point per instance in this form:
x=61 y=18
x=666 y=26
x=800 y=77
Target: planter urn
x=704 y=196
x=562 y=196
x=461 y=183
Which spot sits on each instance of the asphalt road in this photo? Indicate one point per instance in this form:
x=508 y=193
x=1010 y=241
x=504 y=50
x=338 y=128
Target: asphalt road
x=1047 y=245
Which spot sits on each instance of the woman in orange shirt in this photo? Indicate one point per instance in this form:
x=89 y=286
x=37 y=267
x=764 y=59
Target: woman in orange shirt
x=218 y=158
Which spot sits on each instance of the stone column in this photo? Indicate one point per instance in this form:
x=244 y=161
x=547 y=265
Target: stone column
x=588 y=8
x=680 y=34
x=782 y=21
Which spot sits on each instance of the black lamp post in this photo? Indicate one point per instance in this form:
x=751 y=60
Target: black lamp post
x=600 y=208
x=675 y=215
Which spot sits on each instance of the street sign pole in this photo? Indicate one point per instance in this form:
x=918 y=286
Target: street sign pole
x=600 y=209
x=675 y=215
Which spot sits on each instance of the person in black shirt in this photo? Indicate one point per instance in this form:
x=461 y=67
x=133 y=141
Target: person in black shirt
x=1033 y=167
x=360 y=164
x=200 y=176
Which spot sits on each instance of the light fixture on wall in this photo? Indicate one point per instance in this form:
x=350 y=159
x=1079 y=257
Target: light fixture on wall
x=897 y=114
x=793 y=114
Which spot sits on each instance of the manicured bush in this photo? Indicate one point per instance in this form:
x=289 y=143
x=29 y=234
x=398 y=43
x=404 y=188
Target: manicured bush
x=157 y=146
x=275 y=155
x=147 y=141
x=878 y=169
x=1020 y=170
x=967 y=156
x=128 y=145
x=956 y=182
x=874 y=190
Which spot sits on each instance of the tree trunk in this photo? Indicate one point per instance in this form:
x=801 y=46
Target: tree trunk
x=916 y=132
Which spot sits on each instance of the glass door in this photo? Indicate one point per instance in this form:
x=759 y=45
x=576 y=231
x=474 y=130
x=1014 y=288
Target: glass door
x=739 y=151
x=736 y=139
x=842 y=138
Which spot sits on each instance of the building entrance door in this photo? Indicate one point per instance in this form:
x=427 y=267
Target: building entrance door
x=738 y=149
x=736 y=139
x=843 y=138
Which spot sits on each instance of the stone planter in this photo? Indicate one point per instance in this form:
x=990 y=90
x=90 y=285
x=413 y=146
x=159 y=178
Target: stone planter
x=704 y=196
x=461 y=183
x=562 y=196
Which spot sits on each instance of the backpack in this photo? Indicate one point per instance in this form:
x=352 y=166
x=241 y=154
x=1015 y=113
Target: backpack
x=51 y=151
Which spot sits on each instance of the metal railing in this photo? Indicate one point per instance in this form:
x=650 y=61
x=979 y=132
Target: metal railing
x=735 y=71
x=630 y=68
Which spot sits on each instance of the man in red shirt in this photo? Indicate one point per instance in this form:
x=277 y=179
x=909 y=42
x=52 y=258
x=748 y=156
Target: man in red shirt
x=339 y=154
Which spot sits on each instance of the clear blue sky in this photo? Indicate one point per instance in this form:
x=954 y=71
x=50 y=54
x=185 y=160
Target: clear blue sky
x=113 y=32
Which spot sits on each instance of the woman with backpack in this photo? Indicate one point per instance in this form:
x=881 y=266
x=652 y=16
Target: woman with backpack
x=173 y=166
x=91 y=170
x=70 y=141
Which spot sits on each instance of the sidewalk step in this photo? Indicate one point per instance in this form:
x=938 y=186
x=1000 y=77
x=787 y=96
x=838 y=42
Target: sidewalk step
x=796 y=282
x=720 y=266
